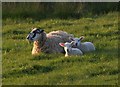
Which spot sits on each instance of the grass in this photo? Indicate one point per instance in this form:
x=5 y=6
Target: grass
x=96 y=68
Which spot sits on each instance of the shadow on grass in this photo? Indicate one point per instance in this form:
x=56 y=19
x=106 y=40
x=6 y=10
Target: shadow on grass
x=41 y=57
x=36 y=69
x=109 y=51
x=101 y=54
x=45 y=56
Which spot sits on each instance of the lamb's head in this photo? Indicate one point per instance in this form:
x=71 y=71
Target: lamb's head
x=35 y=34
x=77 y=41
x=67 y=47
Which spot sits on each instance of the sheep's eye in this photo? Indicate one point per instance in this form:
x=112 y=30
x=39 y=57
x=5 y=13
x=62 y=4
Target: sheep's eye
x=67 y=50
x=32 y=35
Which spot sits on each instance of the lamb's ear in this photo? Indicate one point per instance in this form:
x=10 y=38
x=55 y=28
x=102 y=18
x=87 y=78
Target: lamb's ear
x=70 y=38
x=72 y=43
x=82 y=37
x=62 y=44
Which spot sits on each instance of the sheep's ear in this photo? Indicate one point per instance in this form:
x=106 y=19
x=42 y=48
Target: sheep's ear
x=82 y=37
x=62 y=44
x=41 y=30
x=71 y=38
x=72 y=43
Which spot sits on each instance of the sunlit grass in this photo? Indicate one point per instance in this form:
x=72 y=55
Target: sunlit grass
x=96 y=68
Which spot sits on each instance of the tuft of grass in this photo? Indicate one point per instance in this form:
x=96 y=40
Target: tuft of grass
x=95 y=68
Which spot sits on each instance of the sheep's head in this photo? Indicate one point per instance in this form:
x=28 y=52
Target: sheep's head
x=35 y=34
x=67 y=46
x=77 y=41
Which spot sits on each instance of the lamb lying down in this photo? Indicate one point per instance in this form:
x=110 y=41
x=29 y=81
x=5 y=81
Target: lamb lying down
x=69 y=50
x=85 y=46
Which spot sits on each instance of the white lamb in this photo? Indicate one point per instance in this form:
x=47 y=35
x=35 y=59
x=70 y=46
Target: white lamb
x=85 y=46
x=47 y=43
x=69 y=50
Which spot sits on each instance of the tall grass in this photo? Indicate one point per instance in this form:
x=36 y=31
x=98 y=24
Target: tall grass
x=41 y=10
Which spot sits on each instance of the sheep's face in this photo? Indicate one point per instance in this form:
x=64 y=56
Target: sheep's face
x=35 y=34
x=77 y=41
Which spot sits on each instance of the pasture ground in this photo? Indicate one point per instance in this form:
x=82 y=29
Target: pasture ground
x=100 y=67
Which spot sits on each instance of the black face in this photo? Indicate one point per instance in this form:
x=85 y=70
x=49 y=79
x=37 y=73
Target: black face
x=33 y=33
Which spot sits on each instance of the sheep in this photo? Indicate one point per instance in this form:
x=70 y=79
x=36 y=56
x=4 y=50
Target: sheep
x=47 y=43
x=60 y=33
x=85 y=46
x=69 y=50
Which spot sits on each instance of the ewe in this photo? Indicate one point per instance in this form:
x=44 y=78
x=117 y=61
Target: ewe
x=85 y=46
x=69 y=50
x=48 y=43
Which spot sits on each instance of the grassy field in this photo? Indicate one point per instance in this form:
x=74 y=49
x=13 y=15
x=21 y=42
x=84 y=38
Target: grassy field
x=95 y=68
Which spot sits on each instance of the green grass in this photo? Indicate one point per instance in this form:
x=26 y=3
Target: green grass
x=96 y=68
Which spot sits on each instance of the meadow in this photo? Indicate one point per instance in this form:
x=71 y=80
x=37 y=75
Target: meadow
x=100 y=67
